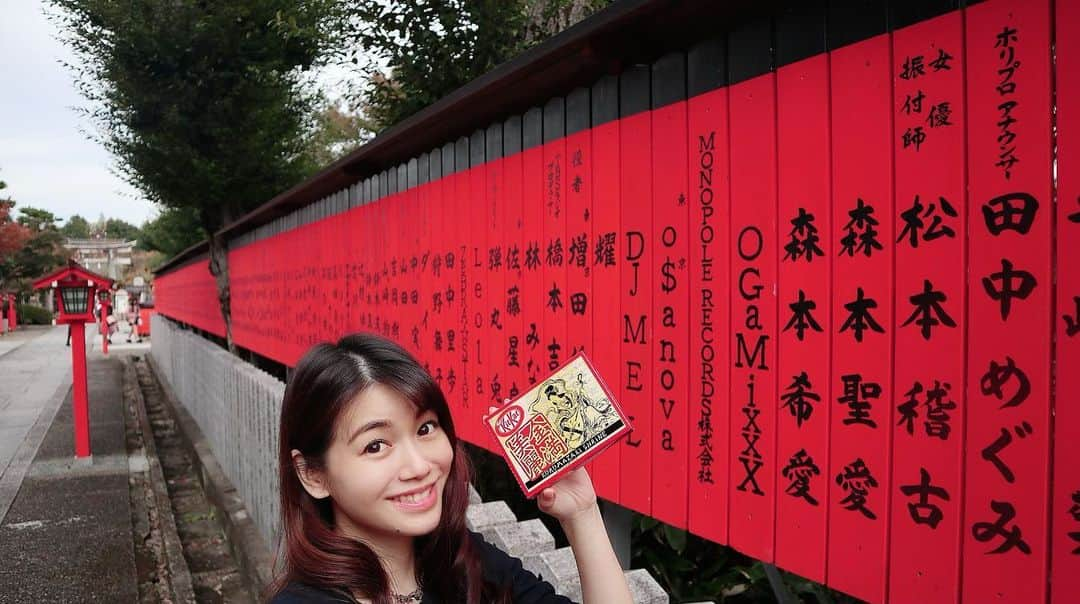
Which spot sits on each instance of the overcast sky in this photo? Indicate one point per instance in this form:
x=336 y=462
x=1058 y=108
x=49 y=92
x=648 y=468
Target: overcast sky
x=46 y=156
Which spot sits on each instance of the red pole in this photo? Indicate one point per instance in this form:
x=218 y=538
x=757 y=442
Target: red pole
x=104 y=331
x=12 y=322
x=78 y=386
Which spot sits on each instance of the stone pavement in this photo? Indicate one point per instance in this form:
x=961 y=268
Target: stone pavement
x=65 y=526
x=30 y=387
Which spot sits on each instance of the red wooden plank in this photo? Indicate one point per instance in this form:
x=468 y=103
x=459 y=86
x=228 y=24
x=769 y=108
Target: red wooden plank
x=578 y=253
x=341 y=281
x=579 y=227
x=861 y=419
x=604 y=260
x=242 y=291
x=391 y=246
x=328 y=307
x=1008 y=430
x=754 y=309
x=421 y=217
x=476 y=298
x=710 y=314
x=494 y=313
x=354 y=236
x=513 y=342
x=461 y=364
x=411 y=226
x=635 y=377
x=533 y=293
x=286 y=349
x=294 y=287
x=806 y=251
x=440 y=277
x=670 y=312
x=447 y=304
x=556 y=296
x=930 y=220
x=1065 y=509
x=364 y=248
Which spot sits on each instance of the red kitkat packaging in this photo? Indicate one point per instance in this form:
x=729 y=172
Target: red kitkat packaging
x=557 y=425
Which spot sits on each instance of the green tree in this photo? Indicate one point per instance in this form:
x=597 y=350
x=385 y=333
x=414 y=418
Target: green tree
x=76 y=227
x=411 y=54
x=37 y=219
x=337 y=132
x=119 y=229
x=172 y=231
x=42 y=252
x=205 y=105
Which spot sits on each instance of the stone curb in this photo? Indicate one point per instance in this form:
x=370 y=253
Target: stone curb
x=247 y=544
x=180 y=585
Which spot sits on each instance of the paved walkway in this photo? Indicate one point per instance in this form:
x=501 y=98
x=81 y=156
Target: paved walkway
x=65 y=525
x=33 y=378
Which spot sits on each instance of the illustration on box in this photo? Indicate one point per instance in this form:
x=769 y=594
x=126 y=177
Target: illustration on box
x=557 y=425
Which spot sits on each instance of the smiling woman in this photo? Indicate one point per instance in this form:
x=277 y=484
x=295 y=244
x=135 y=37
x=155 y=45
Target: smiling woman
x=374 y=490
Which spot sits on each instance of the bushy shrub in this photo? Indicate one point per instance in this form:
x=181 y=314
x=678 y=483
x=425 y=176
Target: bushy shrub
x=33 y=315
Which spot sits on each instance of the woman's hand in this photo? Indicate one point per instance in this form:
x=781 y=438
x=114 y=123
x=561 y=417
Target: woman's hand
x=570 y=498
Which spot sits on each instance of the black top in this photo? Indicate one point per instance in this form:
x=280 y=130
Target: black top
x=499 y=568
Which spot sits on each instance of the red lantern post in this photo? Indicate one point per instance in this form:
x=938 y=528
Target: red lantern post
x=11 y=317
x=74 y=288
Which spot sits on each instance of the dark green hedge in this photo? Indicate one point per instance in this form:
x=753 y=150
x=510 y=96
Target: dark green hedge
x=33 y=315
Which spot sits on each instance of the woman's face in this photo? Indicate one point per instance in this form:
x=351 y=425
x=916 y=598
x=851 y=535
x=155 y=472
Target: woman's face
x=386 y=467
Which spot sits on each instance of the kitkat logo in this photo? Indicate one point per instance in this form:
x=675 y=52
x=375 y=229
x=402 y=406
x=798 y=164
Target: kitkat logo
x=509 y=421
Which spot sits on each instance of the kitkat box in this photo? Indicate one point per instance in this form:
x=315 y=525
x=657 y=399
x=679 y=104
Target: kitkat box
x=557 y=425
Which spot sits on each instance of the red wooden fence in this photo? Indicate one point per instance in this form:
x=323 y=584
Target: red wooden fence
x=840 y=299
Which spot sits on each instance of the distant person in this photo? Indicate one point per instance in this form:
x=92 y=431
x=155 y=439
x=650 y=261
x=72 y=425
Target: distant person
x=134 y=321
x=108 y=321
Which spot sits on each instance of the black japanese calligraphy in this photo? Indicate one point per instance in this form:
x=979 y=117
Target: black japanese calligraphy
x=857 y=480
x=800 y=469
x=1011 y=536
x=1010 y=212
x=925 y=512
x=1008 y=283
x=800 y=399
x=862 y=236
x=929 y=311
x=994 y=380
x=1004 y=439
x=914 y=224
x=856 y=397
x=804 y=238
x=859 y=318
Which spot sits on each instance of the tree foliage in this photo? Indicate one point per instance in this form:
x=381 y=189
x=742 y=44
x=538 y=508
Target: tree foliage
x=172 y=231
x=13 y=235
x=76 y=227
x=411 y=54
x=41 y=253
x=337 y=132
x=202 y=104
x=116 y=228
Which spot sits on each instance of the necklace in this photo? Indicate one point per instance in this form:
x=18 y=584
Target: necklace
x=415 y=596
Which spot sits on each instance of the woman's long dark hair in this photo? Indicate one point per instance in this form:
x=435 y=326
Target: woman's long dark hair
x=325 y=381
